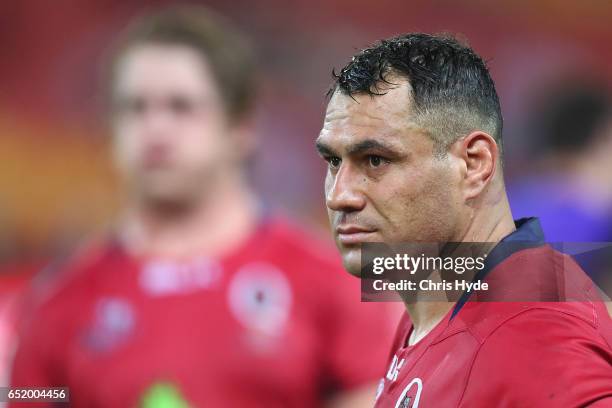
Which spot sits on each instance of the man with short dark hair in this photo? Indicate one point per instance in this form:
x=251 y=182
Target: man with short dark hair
x=412 y=138
x=200 y=297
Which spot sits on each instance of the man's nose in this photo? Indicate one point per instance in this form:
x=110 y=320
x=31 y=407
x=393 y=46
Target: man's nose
x=344 y=192
x=158 y=126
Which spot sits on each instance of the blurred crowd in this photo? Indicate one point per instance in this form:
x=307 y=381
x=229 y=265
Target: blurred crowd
x=551 y=62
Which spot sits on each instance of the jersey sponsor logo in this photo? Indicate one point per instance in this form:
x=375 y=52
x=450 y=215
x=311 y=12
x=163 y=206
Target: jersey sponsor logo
x=113 y=323
x=411 y=395
x=394 y=368
x=260 y=298
x=163 y=395
x=162 y=277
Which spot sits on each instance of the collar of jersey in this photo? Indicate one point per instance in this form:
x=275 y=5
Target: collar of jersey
x=528 y=234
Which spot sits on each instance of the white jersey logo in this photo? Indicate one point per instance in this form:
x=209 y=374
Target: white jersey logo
x=166 y=277
x=380 y=389
x=410 y=396
x=394 y=368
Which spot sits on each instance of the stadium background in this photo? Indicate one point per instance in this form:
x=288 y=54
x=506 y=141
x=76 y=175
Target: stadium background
x=57 y=184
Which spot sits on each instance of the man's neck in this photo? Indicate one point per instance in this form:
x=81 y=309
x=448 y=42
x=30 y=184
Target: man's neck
x=490 y=227
x=213 y=225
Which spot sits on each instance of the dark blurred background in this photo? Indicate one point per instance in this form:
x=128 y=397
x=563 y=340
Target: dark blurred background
x=551 y=61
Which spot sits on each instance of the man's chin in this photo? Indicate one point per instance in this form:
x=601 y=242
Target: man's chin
x=351 y=259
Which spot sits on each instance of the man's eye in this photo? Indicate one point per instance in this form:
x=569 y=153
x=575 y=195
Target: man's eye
x=181 y=105
x=375 y=161
x=334 y=162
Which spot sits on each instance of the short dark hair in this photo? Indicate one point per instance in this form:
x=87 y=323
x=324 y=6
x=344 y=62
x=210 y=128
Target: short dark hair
x=225 y=50
x=452 y=90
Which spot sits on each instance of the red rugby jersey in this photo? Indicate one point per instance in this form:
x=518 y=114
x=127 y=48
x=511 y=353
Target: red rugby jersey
x=512 y=353
x=278 y=323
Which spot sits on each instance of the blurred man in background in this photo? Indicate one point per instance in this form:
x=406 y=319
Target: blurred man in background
x=201 y=297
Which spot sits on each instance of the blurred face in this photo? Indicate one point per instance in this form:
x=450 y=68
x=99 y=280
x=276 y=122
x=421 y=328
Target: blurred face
x=173 y=139
x=383 y=182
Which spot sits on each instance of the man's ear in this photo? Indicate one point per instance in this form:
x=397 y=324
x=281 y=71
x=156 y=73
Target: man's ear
x=479 y=153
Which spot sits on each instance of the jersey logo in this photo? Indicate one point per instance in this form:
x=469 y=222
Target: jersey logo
x=113 y=324
x=163 y=278
x=411 y=395
x=163 y=395
x=260 y=298
x=394 y=368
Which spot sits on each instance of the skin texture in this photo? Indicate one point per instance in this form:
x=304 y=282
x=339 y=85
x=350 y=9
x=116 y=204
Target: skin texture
x=385 y=184
x=382 y=176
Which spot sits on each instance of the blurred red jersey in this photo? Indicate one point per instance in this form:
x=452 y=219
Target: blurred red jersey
x=14 y=280
x=277 y=323
x=512 y=353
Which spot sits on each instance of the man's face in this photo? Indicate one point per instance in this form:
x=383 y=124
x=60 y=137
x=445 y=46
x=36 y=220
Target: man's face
x=172 y=134
x=384 y=183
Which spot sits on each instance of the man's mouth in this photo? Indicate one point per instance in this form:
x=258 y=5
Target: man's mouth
x=156 y=156
x=353 y=234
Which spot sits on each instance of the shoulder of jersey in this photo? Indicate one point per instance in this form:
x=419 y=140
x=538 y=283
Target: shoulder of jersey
x=482 y=318
x=66 y=273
